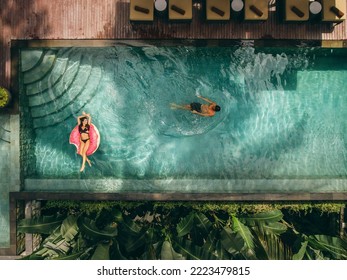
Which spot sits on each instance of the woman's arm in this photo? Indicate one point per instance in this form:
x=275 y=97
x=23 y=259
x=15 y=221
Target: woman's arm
x=89 y=117
x=79 y=120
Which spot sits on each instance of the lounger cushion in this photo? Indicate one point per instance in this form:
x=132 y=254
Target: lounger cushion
x=217 y=9
x=256 y=9
x=185 y=5
x=302 y=8
x=329 y=15
x=141 y=10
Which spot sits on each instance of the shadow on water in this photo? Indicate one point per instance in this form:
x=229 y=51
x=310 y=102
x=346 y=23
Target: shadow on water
x=286 y=141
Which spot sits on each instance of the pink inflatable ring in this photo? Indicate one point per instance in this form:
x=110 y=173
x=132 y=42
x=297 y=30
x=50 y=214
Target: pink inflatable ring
x=94 y=139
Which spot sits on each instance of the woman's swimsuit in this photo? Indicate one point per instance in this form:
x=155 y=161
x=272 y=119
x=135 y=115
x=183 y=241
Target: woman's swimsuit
x=86 y=131
x=195 y=106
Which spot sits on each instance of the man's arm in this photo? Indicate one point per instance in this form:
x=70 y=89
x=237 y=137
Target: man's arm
x=206 y=99
x=201 y=114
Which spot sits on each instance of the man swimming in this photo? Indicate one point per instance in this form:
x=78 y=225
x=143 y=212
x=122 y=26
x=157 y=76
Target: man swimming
x=206 y=110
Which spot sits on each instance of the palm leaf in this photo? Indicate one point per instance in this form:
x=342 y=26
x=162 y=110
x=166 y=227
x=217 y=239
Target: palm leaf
x=88 y=227
x=102 y=252
x=185 y=225
x=168 y=253
x=43 y=224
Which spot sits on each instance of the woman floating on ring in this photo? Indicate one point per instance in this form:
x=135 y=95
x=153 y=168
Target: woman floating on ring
x=84 y=123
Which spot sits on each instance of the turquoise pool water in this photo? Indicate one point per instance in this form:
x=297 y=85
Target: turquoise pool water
x=283 y=113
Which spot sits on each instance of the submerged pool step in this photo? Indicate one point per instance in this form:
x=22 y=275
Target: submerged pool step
x=40 y=70
x=30 y=58
x=62 y=85
x=49 y=80
x=79 y=94
x=58 y=102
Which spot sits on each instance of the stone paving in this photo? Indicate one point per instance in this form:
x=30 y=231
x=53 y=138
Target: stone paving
x=9 y=170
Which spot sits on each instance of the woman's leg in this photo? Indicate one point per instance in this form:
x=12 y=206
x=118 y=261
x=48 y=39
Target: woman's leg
x=84 y=150
x=87 y=159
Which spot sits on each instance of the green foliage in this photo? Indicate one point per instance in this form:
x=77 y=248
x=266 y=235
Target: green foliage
x=43 y=224
x=190 y=231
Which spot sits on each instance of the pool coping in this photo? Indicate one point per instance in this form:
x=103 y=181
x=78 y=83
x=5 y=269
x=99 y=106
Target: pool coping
x=51 y=43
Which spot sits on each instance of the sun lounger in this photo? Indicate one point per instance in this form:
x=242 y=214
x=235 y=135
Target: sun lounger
x=141 y=10
x=180 y=9
x=296 y=10
x=334 y=10
x=217 y=9
x=256 y=9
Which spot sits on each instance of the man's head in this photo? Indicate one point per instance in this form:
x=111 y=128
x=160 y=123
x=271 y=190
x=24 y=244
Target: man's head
x=216 y=108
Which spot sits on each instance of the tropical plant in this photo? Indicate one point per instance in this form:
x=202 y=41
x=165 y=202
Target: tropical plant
x=4 y=97
x=153 y=231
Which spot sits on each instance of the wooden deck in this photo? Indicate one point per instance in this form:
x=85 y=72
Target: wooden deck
x=109 y=19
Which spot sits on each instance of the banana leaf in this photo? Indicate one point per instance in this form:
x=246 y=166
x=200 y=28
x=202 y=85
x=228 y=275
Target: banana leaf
x=74 y=256
x=328 y=244
x=132 y=243
x=43 y=224
x=168 y=253
x=69 y=228
x=203 y=223
x=88 y=228
x=62 y=247
x=231 y=241
x=48 y=253
x=192 y=252
x=265 y=217
x=245 y=233
x=115 y=253
x=275 y=228
x=118 y=215
x=302 y=251
x=185 y=225
x=102 y=252
x=211 y=241
x=129 y=227
x=313 y=254
x=220 y=252
x=271 y=247
x=149 y=253
x=32 y=257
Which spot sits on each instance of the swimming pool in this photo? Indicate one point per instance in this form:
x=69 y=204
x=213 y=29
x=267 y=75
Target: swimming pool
x=281 y=128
